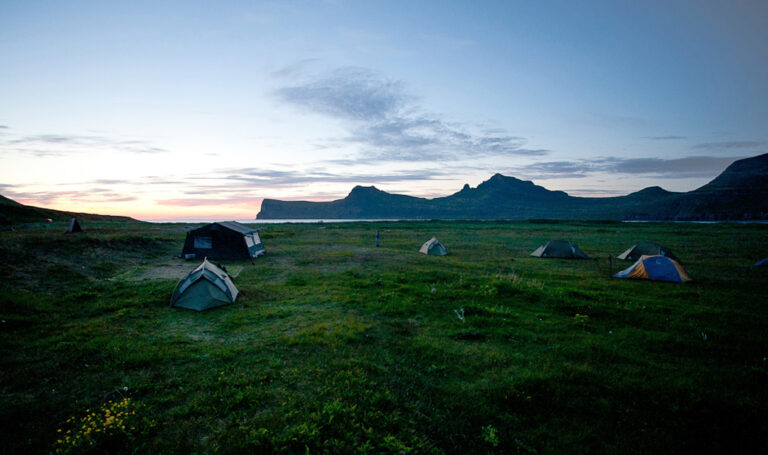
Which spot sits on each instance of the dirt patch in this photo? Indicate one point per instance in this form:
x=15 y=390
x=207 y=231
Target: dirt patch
x=175 y=269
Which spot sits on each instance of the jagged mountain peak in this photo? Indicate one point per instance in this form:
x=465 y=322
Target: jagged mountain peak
x=740 y=192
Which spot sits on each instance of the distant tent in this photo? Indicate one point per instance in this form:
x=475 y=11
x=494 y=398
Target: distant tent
x=559 y=249
x=74 y=227
x=646 y=249
x=208 y=286
x=434 y=247
x=223 y=240
x=656 y=268
x=762 y=263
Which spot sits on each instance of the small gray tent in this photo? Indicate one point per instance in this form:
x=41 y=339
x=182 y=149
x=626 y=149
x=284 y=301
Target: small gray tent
x=433 y=247
x=208 y=286
x=559 y=249
x=223 y=240
x=646 y=249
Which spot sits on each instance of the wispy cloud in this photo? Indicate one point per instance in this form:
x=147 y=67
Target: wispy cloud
x=248 y=202
x=687 y=167
x=44 y=145
x=665 y=138
x=294 y=178
x=594 y=192
x=730 y=145
x=386 y=123
x=349 y=93
x=49 y=197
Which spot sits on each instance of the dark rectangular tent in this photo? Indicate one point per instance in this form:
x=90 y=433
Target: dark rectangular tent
x=223 y=240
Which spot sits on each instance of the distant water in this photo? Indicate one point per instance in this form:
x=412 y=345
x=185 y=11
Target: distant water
x=276 y=221
x=196 y=221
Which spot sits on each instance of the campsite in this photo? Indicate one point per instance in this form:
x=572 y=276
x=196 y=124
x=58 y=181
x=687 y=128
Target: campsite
x=334 y=345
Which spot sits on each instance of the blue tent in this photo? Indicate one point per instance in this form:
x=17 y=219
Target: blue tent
x=762 y=263
x=655 y=268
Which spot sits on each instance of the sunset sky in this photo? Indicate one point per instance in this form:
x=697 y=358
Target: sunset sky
x=198 y=110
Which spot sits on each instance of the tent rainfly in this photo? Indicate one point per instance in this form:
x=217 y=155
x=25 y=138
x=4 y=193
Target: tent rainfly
x=646 y=249
x=762 y=263
x=74 y=227
x=655 y=268
x=559 y=249
x=433 y=247
x=208 y=286
x=223 y=240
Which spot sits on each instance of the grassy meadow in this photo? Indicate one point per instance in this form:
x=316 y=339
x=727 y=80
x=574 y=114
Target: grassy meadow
x=336 y=346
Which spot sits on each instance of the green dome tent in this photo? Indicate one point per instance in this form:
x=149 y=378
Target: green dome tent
x=559 y=249
x=433 y=247
x=208 y=286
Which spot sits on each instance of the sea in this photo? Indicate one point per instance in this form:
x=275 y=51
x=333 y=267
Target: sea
x=310 y=221
x=253 y=221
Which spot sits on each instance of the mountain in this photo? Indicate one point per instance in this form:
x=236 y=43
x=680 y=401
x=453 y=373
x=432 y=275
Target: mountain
x=11 y=212
x=740 y=192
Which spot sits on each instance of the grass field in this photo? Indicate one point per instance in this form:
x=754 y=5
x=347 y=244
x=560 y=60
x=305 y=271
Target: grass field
x=335 y=346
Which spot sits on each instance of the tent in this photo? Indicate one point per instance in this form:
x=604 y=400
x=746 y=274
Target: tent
x=559 y=249
x=74 y=227
x=656 y=268
x=762 y=263
x=208 y=286
x=223 y=240
x=646 y=249
x=434 y=247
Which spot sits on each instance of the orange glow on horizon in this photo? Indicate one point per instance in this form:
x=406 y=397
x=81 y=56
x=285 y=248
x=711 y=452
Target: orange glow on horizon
x=151 y=210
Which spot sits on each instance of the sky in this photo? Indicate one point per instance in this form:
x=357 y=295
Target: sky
x=190 y=110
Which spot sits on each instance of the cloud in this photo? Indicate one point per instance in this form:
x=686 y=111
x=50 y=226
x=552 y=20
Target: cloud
x=694 y=166
x=6 y=187
x=386 y=124
x=348 y=93
x=249 y=202
x=44 y=145
x=554 y=169
x=298 y=69
x=730 y=145
x=665 y=138
x=594 y=192
x=87 y=195
x=261 y=178
x=687 y=167
x=244 y=187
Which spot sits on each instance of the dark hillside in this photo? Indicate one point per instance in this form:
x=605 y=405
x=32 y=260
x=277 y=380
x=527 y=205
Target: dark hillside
x=12 y=212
